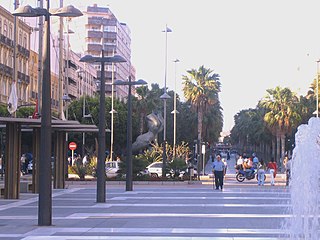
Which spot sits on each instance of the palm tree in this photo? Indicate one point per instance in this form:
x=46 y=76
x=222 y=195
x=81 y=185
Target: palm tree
x=201 y=89
x=282 y=114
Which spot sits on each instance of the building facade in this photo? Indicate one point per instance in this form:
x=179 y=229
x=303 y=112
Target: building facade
x=105 y=32
x=7 y=74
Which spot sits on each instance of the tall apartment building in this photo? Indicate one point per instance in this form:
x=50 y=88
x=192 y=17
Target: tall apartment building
x=104 y=31
x=6 y=57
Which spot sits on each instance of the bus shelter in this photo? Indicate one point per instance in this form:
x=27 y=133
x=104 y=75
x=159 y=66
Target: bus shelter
x=12 y=144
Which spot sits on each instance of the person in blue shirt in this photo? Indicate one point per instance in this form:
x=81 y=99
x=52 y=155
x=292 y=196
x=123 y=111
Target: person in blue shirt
x=218 y=169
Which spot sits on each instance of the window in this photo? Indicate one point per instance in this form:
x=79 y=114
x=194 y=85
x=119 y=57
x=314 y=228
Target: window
x=0 y=25
x=5 y=29
x=4 y=87
x=10 y=31
x=20 y=37
x=25 y=41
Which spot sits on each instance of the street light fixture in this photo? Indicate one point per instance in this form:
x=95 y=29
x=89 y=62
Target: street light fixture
x=129 y=129
x=164 y=97
x=174 y=112
x=45 y=186
x=101 y=178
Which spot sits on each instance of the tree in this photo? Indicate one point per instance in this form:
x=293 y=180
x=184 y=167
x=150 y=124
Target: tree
x=201 y=88
x=282 y=114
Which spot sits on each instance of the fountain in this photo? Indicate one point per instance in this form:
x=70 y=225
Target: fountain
x=304 y=184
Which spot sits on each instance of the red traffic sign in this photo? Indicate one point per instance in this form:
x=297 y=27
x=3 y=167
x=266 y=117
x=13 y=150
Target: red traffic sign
x=72 y=146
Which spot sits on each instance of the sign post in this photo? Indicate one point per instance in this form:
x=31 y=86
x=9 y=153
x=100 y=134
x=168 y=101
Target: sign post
x=72 y=147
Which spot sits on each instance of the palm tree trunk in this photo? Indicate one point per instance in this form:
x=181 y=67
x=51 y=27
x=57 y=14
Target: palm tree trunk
x=200 y=117
x=273 y=148
x=283 y=148
x=277 y=160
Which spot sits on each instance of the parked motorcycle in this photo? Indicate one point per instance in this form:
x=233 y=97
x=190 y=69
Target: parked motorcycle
x=241 y=175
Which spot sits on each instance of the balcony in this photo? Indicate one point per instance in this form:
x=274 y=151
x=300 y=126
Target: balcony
x=6 y=41
x=94 y=47
x=25 y=52
x=23 y=78
x=94 y=21
x=94 y=34
x=110 y=35
x=6 y=70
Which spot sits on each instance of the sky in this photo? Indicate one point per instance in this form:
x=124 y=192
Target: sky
x=254 y=45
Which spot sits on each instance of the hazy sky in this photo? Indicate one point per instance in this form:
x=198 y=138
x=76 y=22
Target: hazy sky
x=253 y=44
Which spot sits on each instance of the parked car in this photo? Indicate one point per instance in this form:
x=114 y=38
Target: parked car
x=155 y=171
x=112 y=169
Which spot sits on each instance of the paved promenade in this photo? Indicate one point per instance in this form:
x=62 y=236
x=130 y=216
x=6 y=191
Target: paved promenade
x=155 y=210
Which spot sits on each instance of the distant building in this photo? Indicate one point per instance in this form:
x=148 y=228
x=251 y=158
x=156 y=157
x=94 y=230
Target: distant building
x=105 y=32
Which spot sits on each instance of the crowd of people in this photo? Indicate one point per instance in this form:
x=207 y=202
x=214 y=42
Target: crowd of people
x=251 y=165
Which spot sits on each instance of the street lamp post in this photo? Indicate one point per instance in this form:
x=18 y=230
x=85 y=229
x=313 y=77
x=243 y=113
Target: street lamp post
x=45 y=186
x=174 y=112
x=112 y=112
x=101 y=178
x=129 y=129
x=164 y=97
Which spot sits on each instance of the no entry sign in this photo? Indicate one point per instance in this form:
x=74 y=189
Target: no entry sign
x=72 y=146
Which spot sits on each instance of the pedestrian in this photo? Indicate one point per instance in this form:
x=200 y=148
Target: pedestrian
x=85 y=160
x=23 y=166
x=239 y=163
x=261 y=172
x=272 y=168
x=225 y=167
x=255 y=161
x=218 y=170
x=288 y=170
x=284 y=162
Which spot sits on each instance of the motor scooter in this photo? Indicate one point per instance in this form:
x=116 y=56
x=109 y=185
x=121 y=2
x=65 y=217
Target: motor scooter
x=249 y=174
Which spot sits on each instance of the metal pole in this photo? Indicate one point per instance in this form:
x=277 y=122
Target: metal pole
x=112 y=112
x=129 y=141
x=45 y=191
x=84 y=107
x=15 y=33
x=101 y=178
x=40 y=65
x=61 y=59
x=164 y=154
x=175 y=109
x=67 y=73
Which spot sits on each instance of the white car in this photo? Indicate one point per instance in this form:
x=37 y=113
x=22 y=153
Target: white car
x=112 y=169
x=155 y=169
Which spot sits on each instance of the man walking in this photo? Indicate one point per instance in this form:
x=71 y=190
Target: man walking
x=218 y=170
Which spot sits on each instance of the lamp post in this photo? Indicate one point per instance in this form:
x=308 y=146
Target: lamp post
x=164 y=97
x=174 y=112
x=45 y=186
x=101 y=178
x=129 y=129
x=112 y=112
x=82 y=75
